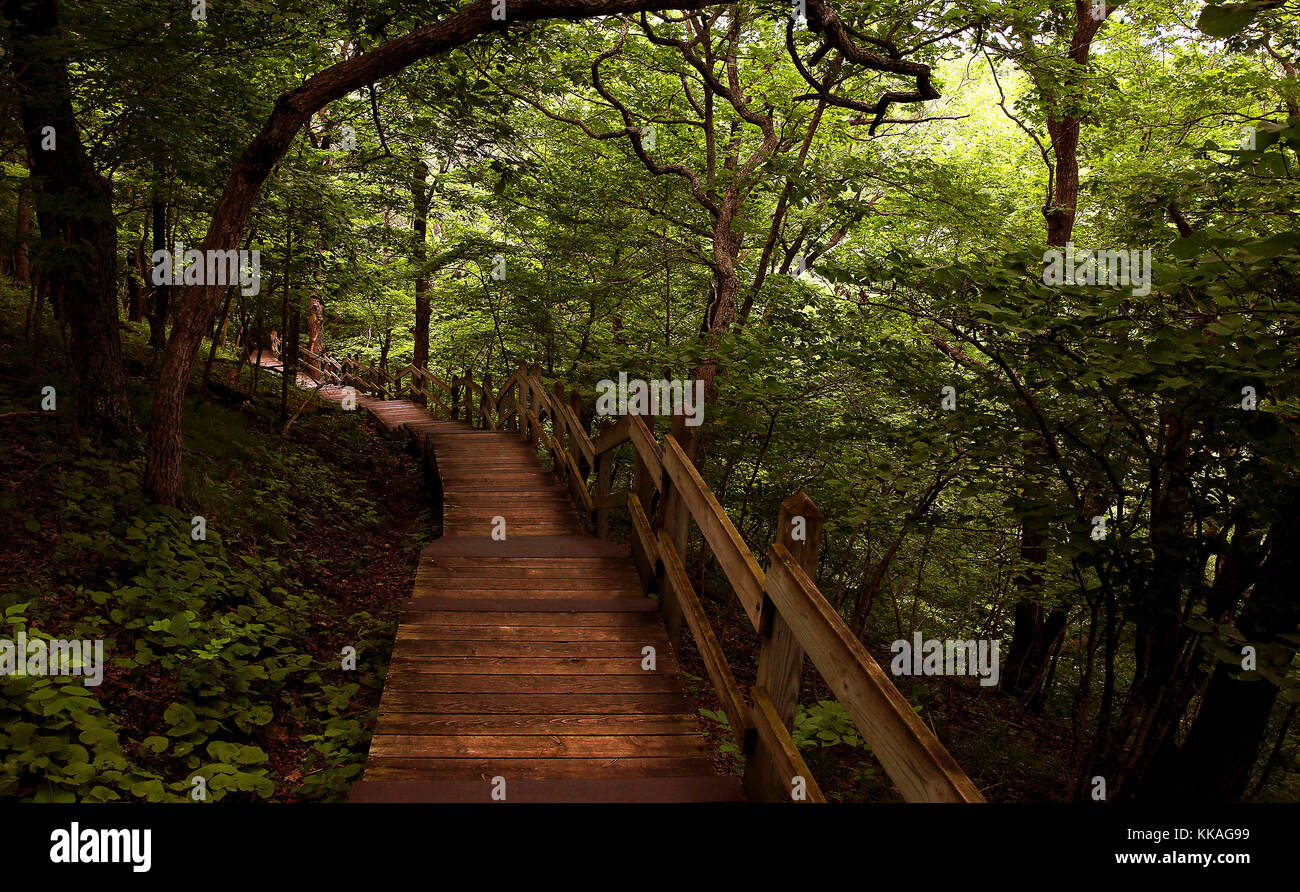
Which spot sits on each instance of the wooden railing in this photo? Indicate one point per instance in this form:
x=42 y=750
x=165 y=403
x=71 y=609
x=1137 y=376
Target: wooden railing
x=784 y=606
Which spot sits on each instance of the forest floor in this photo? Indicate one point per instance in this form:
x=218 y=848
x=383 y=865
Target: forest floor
x=225 y=656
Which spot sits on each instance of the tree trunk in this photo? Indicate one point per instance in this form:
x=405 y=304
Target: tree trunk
x=135 y=279
x=1060 y=211
x=1035 y=633
x=74 y=207
x=315 y=333
x=22 y=232
x=284 y=318
x=1215 y=763
x=420 y=195
x=1164 y=667
x=161 y=296
x=719 y=313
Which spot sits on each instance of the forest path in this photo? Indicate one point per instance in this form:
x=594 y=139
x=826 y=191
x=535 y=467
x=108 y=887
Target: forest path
x=520 y=668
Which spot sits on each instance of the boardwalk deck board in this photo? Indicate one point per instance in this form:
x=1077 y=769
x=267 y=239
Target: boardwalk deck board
x=523 y=658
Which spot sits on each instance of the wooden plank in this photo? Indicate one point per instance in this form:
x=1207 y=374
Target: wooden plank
x=577 y=436
x=780 y=656
x=577 y=485
x=612 y=436
x=456 y=525
x=549 y=486
x=524 y=769
x=555 y=564
x=479 y=703
x=674 y=525
x=515 y=636
x=492 y=575
x=628 y=584
x=735 y=558
x=574 y=570
x=624 y=649
x=774 y=736
x=422 y=664
x=563 y=724
x=534 y=605
x=537 y=746
x=521 y=599
x=471 y=498
x=646 y=448
x=919 y=765
x=706 y=642
x=524 y=546
x=645 y=548
x=527 y=588
x=457 y=615
x=645 y=683
x=576 y=790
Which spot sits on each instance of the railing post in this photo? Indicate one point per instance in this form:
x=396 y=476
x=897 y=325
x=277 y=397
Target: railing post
x=488 y=402
x=604 y=481
x=780 y=657
x=291 y=364
x=506 y=404
x=467 y=392
x=521 y=399
x=534 y=381
x=575 y=406
x=642 y=484
x=674 y=519
x=517 y=398
x=476 y=406
x=559 y=432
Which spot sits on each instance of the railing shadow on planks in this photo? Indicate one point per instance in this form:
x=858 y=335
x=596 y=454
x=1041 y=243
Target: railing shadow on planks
x=666 y=494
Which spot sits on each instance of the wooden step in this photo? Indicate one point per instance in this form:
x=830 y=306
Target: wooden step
x=525 y=546
x=705 y=788
x=524 y=658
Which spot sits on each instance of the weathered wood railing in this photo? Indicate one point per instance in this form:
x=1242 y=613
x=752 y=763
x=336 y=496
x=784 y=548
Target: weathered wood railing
x=787 y=611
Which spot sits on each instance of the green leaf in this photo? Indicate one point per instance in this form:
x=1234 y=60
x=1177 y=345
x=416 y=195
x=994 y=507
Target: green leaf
x=1225 y=20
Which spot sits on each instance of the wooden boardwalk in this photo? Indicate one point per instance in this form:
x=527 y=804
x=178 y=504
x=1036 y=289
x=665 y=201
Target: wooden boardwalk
x=520 y=668
x=523 y=665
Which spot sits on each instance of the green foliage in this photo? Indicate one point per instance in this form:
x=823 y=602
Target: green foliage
x=728 y=747
x=825 y=724
x=220 y=633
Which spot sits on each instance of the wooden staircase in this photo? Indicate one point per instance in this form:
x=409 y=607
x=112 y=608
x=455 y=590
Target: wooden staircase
x=520 y=669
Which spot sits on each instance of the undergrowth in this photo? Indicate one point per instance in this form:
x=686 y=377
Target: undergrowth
x=223 y=653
